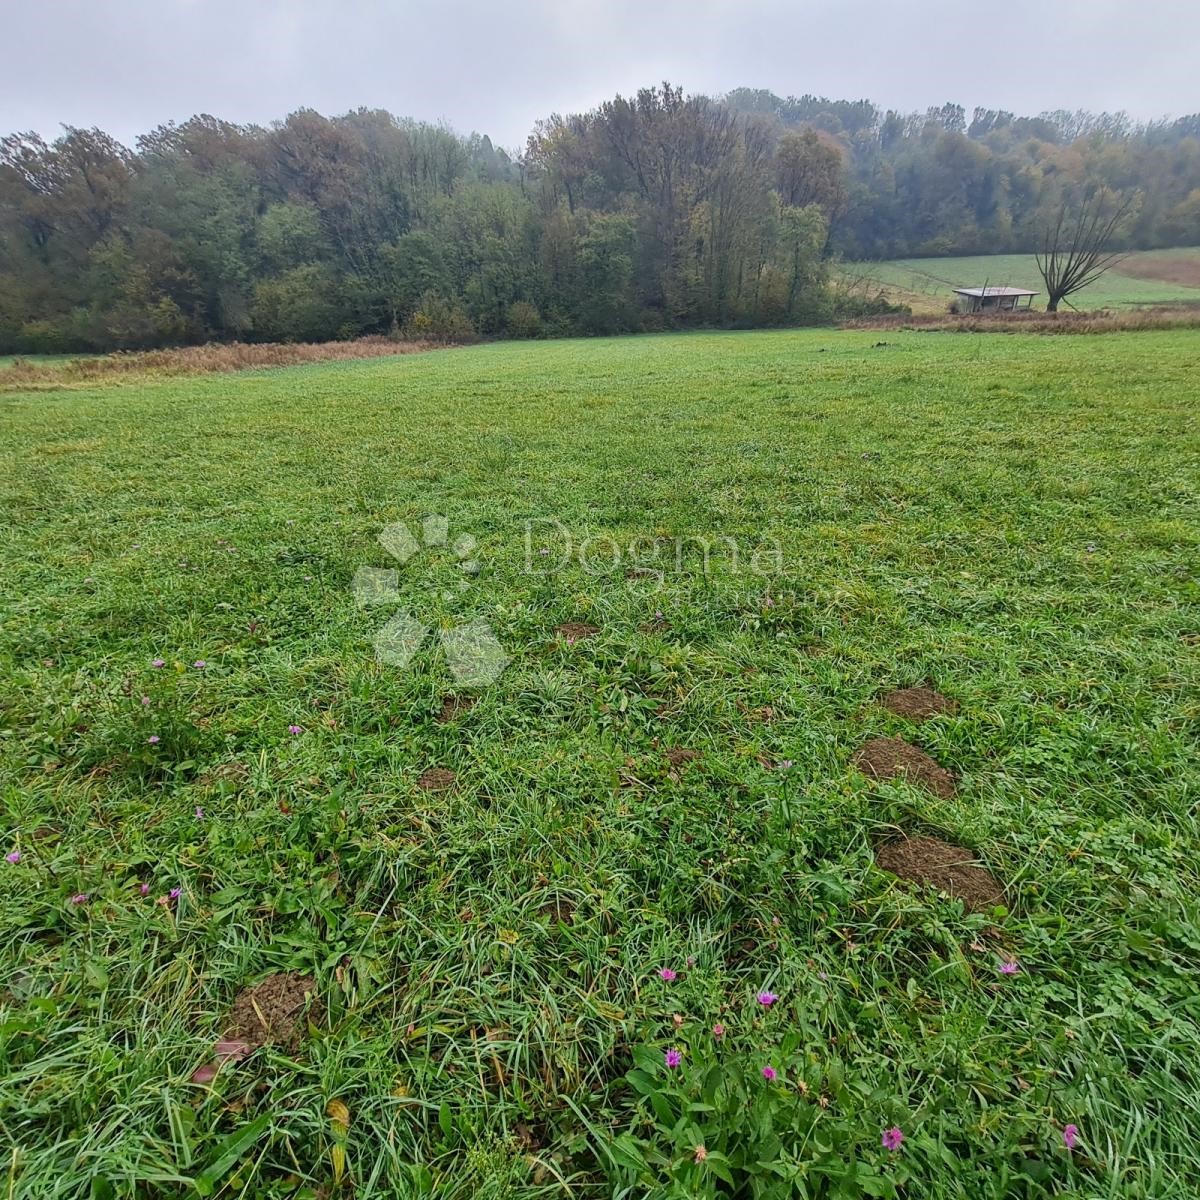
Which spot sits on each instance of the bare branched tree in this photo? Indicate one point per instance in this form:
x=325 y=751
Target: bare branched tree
x=1075 y=250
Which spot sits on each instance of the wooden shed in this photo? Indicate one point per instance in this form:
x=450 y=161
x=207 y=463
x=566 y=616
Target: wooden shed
x=995 y=299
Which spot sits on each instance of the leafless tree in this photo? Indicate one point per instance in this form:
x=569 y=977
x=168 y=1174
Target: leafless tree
x=1075 y=250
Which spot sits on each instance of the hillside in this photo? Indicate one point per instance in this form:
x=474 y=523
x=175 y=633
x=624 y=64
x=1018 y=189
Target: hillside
x=926 y=284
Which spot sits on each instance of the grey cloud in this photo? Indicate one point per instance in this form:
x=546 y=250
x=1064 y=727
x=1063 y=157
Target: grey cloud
x=131 y=64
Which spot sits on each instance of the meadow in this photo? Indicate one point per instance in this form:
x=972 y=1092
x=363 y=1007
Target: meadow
x=615 y=923
x=926 y=284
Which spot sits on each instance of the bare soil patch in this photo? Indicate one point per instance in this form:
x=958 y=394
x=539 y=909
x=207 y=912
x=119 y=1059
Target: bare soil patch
x=658 y=625
x=575 y=631
x=678 y=755
x=273 y=1011
x=559 y=911
x=453 y=707
x=894 y=758
x=1183 y=270
x=436 y=779
x=930 y=862
x=918 y=703
x=764 y=713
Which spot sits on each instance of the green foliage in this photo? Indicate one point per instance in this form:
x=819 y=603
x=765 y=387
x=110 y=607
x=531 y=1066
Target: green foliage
x=301 y=305
x=522 y=320
x=437 y=319
x=606 y=257
x=654 y=211
x=289 y=235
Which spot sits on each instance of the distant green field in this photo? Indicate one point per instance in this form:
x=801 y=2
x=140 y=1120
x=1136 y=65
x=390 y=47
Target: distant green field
x=644 y=914
x=927 y=283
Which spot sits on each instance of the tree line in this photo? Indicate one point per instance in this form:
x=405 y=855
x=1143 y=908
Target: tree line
x=656 y=211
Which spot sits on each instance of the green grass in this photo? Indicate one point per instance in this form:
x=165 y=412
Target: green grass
x=927 y=283
x=1011 y=517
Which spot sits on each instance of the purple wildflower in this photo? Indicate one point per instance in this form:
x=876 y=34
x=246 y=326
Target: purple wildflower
x=892 y=1138
x=199 y=813
x=13 y=856
x=199 y=664
x=766 y=999
x=1009 y=967
x=786 y=764
x=718 y=1031
x=144 y=889
x=769 y=1073
x=153 y=739
x=175 y=893
x=295 y=729
x=1070 y=1136
x=673 y=1058
x=666 y=974
x=80 y=898
x=158 y=662
x=145 y=701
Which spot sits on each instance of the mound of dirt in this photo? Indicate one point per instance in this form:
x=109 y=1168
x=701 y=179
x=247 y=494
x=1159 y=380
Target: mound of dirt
x=436 y=779
x=894 y=758
x=575 y=631
x=678 y=755
x=942 y=865
x=918 y=703
x=454 y=706
x=559 y=911
x=271 y=1011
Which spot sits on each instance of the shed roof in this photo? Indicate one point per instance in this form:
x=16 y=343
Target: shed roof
x=995 y=291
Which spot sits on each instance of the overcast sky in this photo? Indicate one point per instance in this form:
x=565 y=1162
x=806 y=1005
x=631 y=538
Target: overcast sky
x=499 y=65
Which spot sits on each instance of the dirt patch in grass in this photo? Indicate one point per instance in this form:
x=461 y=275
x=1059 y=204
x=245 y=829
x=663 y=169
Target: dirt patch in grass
x=274 y=1011
x=575 y=631
x=894 y=758
x=918 y=703
x=658 y=625
x=677 y=756
x=436 y=779
x=764 y=713
x=559 y=911
x=453 y=707
x=930 y=862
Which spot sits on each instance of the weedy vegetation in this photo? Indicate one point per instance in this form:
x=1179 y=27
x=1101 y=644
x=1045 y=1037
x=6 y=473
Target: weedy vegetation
x=654 y=932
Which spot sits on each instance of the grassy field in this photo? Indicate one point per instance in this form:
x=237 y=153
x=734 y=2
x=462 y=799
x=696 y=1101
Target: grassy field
x=926 y=284
x=514 y=976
